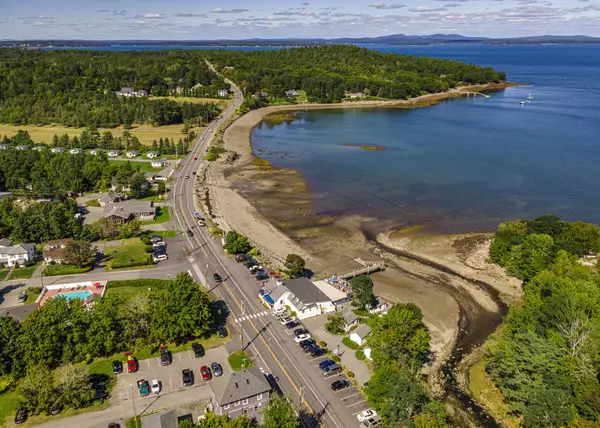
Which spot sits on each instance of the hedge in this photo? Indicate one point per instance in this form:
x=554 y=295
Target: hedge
x=350 y=344
x=118 y=265
x=360 y=354
x=142 y=282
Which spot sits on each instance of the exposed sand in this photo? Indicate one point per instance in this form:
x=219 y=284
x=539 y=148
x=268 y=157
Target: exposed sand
x=273 y=208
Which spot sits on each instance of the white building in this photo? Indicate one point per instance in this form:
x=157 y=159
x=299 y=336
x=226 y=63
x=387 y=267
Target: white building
x=158 y=163
x=359 y=334
x=302 y=296
x=223 y=92
x=152 y=155
x=132 y=154
x=57 y=150
x=95 y=151
x=75 y=151
x=22 y=148
x=11 y=254
x=113 y=153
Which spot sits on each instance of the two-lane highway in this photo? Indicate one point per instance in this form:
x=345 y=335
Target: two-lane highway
x=274 y=350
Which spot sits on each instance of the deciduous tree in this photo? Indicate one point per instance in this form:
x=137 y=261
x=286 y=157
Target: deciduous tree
x=362 y=291
x=79 y=253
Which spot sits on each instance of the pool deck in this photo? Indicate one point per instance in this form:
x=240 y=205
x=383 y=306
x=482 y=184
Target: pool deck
x=51 y=291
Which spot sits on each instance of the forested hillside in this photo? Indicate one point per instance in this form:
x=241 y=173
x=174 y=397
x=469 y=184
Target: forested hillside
x=546 y=359
x=77 y=88
x=326 y=73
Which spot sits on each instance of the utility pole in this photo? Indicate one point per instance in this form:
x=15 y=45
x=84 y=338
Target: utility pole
x=301 y=403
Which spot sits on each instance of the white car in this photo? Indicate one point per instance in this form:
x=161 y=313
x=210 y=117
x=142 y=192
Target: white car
x=155 y=386
x=286 y=320
x=278 y=312
x=302 y=337
x=366 y=414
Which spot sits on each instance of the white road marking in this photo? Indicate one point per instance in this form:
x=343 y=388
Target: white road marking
x=171 y=383
x=353 y=395
x=361 y=401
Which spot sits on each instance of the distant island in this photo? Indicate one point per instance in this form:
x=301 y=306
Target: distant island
x=394 y=39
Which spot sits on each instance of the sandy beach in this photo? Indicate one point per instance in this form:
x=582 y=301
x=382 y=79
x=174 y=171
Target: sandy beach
x=446 y=276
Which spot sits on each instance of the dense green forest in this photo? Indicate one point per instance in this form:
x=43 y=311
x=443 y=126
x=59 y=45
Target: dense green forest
x=327 y=73
x=546 y=358
x=77 y=88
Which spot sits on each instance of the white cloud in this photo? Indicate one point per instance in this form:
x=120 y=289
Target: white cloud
x=296 y=12
x=305 y=3
x=190 y=15
x=39 y=17
x=151 y=16
x=382 y=5
x=112 y=11
x=428 y=9
x=453 y=5
x=221 y=10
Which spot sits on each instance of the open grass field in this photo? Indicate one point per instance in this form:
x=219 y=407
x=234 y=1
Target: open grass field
x=145 y=133
x=130 y=252
x=162 y=216
x=54 y=270
x=22 y=273
x=223 y=103
x=143 y=166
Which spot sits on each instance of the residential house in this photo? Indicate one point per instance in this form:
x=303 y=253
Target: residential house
x=125 y=211
x=22 y=148
x=355 y=95
x=303 y=297
x=152 y=155
x=197 y=86
x=115 y=185
x=75 y=151
x=379 y=306
x=5 y=195
x=350 y=318
x=246 y=392
x=109 y=198
x=291 y=93
x=132 y=153
x=39 y=148
x=158 y=163
x=15 y=254
x=223 y=92
x=56 y=250
x=141 y=93
x=167 y=419
x=95 y=151
x=125 y=92
x=57 y=150
x=4 y=147
x=359 y=334
x=113 y=153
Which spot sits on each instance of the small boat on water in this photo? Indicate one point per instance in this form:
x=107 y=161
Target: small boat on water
x=522 y=102
x=530 y=97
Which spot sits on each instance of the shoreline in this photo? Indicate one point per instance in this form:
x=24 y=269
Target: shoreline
x=272 y=207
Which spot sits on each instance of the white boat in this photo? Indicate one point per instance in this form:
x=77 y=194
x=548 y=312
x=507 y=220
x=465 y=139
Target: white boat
x=522 y=102
x=530 y=97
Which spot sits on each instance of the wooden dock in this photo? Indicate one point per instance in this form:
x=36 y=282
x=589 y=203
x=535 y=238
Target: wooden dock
x=475 y=94
x=366 y=269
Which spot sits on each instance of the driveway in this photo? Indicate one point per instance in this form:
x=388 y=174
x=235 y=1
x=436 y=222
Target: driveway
x=169 y=376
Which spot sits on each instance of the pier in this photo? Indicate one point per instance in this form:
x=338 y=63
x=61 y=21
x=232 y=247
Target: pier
x=475 y=94
x=366 y=269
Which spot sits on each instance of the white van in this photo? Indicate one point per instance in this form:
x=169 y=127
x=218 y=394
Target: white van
x=160 y=257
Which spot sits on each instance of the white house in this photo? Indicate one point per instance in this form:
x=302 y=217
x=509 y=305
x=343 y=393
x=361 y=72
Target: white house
x=158 y=163
x=22 y=148
x=223 y=92
x=39 y=148
x=3 y=147
x=152 y=155
x=113 y=153
x=95 y=151
x=132 y=153
x=379 y=306
x=11 y=254
x=302 y=296
x=75 y=151
x=359 y=334
x=57 y=150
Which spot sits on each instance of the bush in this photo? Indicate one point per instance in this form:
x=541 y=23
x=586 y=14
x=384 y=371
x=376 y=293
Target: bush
x=148 y=248
x=361 y=312
x=35 y=290
x=322 y=344
x=145 y=239
x=254 y=252
x=52 y=262
x=360 y=354
x=93 y=203
x=350 y=344
x=29 y=263
x=122 y=265
x=350 y=374
x=336 y=358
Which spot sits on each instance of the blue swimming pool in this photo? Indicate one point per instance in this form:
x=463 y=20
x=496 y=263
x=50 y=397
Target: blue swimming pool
x=71 y=295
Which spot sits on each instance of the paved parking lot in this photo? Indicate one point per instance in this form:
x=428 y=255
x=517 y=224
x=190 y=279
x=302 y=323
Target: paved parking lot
x=169 y=376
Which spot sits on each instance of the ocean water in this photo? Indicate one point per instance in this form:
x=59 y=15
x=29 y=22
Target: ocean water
x=464 y=164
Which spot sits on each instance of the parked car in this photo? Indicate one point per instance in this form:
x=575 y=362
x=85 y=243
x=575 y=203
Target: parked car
x=286 y=320
x=21 y=416
x=187 y=377
x=325 y=363
x=261 y=276
x=340 y=384
x=22 y=297
x=373 y=422
x=291 y=324
x=155 y=386
x=155 y=238
x=187 y=176
x=143 y=387
x=306 y=342
x=159 y=257
x=132 y=365
x=117 y=367
x=240 y=258
x=206 y=375
x=158 y=244
x=366 y=414
x=165 y=357
x=222 y=331
x=114 y=425
x=302 y=337
x=217 y=278
x=317 y=352
x=198 y=350
x=189 y=232
x=309 y=349
x=300 y=331
x=216 y=369
x=201 y=222
x=278 y=311
x=331 y=370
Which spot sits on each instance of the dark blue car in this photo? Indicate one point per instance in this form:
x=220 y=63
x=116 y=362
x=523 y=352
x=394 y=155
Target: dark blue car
x=326 y=363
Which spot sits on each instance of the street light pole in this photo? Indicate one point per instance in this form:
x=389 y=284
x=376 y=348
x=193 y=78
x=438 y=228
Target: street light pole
x=301 y=403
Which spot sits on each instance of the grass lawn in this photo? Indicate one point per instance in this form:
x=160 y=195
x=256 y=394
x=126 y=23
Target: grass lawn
x=162 y=216
x=8 y=407
x=223 y=103
x=239 y=358
x=143 y=166
x=154 y=196
x=3 y=273
x=163 y=233
x=133 y=423
x=32 y=294
x=54 y=270
x=146 y=133
x=22 y=273
x=130 y=251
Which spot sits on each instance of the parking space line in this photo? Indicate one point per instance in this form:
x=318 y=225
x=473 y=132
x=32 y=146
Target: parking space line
x=148 y=362
x=353 y=395
x=356 y=413
x=179 y=355
x=171 y=383
x=361 y=401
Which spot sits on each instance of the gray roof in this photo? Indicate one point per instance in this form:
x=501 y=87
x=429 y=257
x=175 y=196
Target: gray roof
x=160 y=420
x=362 y=330
x=350 y=317
x=241 y=385
x=306 y=291
x=17 y=249
x=126 y=208
x=18 y=312
x=278 y=292
x=109 y=196
x=5 y=242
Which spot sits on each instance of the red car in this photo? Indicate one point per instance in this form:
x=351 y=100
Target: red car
x=206 y=375
x=195 y=158
x=132 y=365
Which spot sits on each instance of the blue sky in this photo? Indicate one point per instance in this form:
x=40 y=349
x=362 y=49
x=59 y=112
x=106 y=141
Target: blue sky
x=240 y=19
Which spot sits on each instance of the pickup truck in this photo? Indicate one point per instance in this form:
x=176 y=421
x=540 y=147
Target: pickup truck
x=143 y=387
